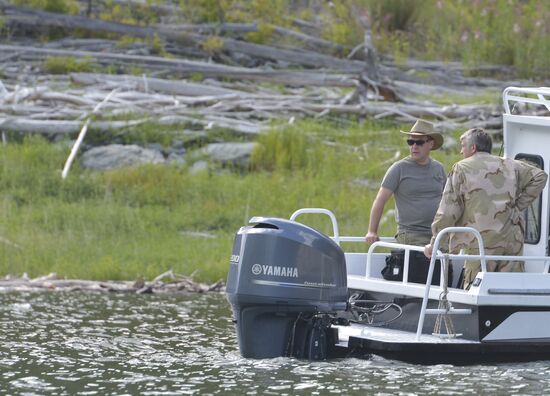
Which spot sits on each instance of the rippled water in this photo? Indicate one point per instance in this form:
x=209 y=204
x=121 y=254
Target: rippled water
x=96 y=344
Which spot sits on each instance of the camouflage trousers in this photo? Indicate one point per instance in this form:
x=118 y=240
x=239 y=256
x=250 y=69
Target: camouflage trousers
x=472 y=267
x=413 y=238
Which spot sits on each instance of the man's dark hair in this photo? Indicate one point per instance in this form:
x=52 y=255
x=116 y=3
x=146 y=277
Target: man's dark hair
x=479 y=138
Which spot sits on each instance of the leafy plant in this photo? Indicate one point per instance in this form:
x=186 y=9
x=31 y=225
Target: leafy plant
x=64 y=65
x=60 y=6
x=212 y=44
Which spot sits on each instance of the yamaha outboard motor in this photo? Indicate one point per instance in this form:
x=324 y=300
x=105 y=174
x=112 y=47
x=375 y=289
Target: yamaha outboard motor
x=286 y=282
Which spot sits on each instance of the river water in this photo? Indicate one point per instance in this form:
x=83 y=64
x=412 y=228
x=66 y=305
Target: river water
x=66 y=343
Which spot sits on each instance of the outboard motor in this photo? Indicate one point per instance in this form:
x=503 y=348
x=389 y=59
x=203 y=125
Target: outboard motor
x=285 y=284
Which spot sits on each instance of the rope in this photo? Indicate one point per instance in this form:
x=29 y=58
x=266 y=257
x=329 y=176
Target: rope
x=446 y=305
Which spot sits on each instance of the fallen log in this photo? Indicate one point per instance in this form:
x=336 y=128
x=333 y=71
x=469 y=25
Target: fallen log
x=309 y=41
x=25 y=125
x=51 y=282
x=188 y=67
x=209 y=122
x=373 y=109
x=155 y=84
x=299 y=57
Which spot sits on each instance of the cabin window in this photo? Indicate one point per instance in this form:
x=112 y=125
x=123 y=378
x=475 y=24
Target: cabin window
x=532 y=213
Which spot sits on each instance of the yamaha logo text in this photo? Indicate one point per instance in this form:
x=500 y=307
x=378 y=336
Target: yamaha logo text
x=273 y=270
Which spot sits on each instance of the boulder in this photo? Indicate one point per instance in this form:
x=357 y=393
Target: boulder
x=115 y=156
x=230 y=153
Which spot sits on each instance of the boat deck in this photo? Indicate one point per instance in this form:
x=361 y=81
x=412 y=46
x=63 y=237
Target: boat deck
x=380 y=334
x=359 y=340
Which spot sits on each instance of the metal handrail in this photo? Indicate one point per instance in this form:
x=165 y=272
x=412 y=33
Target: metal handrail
x=336 y=234
x=435 y=248
x=540 y=99
x=394 y=245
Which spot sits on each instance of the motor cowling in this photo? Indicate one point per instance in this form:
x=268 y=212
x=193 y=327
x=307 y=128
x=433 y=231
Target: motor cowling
x=283 y=277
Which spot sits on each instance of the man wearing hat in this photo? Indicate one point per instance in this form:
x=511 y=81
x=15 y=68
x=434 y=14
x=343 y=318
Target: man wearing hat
x=417 y=182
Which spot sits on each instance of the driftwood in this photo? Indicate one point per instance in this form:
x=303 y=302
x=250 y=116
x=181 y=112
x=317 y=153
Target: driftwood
x=188 y=68
x=168 y=282
x=370 y=77
x=225 y=98
x=41 y=110
x=156 y=85
x=309 y=41
x=300 y=57
x=24 y=125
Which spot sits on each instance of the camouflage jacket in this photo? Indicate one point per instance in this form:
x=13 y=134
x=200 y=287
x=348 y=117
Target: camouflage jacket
x=488 y=193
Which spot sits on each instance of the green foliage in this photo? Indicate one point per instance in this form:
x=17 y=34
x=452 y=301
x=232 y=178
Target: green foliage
x=285 y=150
x=205 y=10
x=212 y=44
x=395 y=14
x=157 y=45
x=64 y=65
x=130 y=13
x=196 y=77
x=264 y=33
x=341 y=25
x=60 y=6
x=139 y=222
x=265 y=13
x=500 y=31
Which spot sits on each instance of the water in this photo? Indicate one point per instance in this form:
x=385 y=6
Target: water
x=65 y=343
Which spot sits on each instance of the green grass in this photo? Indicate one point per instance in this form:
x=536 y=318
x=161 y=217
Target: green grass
x=498 y=32
x=64 y=65
x=139 y=222
x=487 y=96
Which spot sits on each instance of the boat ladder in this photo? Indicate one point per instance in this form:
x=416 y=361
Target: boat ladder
x=445 y=309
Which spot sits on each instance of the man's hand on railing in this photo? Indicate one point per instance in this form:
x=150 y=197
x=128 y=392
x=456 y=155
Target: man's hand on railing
x=371 y=237
x=428 y=250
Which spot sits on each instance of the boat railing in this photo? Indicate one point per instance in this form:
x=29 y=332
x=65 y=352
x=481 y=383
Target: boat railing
x=389 y=242
x=445 y=257
x=335 y=232
x=538 y=96
x=392 y=245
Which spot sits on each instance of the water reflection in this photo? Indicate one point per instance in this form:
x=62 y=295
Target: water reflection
x=95 y=344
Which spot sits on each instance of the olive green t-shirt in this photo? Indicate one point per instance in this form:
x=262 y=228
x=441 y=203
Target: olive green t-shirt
x=417 y=190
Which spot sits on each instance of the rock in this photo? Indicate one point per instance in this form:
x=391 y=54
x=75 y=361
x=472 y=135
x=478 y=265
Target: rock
x=155 y=147
x=115 y=156
x=230 y=153
x=178 y=144
x=175 y=158
x=198 y=166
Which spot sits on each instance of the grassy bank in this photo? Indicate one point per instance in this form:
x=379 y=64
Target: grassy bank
x=139 y=222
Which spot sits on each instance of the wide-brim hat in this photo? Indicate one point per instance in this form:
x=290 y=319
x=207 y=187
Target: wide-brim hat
x=425 y=128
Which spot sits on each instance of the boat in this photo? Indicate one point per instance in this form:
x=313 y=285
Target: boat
x=295 y=292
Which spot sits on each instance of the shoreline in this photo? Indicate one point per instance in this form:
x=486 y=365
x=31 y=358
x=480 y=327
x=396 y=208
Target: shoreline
x=51 y=282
